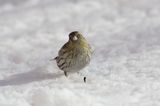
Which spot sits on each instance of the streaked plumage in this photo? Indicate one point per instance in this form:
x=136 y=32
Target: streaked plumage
x=75 y=54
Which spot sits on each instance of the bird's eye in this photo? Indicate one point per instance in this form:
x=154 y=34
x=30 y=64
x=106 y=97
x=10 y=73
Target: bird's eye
x=75 y=38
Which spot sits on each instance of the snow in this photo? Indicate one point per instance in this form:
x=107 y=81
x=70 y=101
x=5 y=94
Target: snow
x=125 y=66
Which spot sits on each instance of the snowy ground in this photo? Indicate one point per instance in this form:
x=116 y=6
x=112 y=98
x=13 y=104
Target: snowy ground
x=125 y=68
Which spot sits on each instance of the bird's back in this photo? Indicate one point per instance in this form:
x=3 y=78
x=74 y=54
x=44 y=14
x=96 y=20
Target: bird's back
x=73 y=59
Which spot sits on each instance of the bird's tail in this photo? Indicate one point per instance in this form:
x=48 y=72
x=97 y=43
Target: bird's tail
x=54 y=59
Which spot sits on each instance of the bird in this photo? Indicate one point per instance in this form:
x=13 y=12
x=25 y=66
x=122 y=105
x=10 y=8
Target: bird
x=75 y=54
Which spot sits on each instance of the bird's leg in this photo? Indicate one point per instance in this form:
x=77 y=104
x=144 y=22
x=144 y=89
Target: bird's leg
x=84 y=79
x=65 y=73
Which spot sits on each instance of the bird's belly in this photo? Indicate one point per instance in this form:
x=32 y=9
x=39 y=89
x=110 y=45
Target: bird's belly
x=79 y=63
x=75 y=62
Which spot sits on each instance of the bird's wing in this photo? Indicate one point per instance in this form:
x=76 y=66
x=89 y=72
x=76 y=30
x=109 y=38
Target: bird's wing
x=61 y=51
x=65 y=48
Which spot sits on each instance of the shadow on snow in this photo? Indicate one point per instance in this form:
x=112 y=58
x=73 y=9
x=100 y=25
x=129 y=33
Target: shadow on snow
x=28 y=77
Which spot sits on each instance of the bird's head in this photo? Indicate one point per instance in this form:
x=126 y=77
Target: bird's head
x=75 y=36
x=76 y=39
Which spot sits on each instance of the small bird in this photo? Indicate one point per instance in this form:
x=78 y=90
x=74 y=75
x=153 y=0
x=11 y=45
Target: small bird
x=75 y=54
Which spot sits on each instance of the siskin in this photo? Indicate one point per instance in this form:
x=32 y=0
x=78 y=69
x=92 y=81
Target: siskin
x=74 y=55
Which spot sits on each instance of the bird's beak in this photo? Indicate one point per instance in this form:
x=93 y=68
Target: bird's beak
x=75 y=38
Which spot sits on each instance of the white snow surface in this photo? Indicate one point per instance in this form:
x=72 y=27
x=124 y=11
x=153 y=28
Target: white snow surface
x=125 y=67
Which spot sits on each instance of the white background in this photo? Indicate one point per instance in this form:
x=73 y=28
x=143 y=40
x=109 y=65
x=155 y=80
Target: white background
x=125 y=67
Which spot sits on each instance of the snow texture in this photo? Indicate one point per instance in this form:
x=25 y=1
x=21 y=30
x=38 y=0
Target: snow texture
x=125 y=68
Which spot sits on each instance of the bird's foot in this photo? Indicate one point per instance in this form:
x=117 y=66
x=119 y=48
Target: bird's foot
x=65 y=73
x=84 y=79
